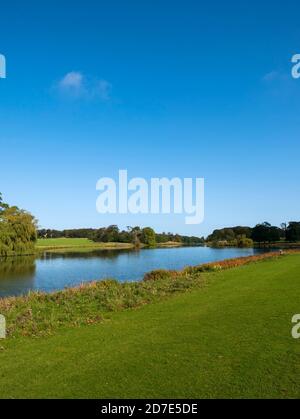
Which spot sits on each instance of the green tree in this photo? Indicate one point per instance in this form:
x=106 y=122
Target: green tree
x=293 y=231
x=266 y=233
x=244 y=241
x=148 y=237
x=17 y=231
x=260 y=233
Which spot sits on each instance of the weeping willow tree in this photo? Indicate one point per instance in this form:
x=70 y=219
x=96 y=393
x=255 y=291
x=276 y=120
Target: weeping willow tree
x=17 y=231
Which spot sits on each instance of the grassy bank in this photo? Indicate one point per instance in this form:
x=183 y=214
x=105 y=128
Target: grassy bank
x=208 y=332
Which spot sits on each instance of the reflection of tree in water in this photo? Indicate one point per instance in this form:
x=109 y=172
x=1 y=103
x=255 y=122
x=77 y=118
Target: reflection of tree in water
x=103 y=254
x=17 y=266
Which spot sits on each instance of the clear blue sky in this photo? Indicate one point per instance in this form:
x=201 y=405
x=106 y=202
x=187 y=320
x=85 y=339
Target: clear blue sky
x=161 y=88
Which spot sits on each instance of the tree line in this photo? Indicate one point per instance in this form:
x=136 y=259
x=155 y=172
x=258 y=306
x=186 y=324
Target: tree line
x=135 y=235
x=233 y=236
x=261 y=233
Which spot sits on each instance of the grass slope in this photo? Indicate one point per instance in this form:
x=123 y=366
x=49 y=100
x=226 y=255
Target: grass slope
x=231 y=338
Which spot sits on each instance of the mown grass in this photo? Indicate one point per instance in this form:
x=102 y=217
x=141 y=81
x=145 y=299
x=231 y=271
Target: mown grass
x=225 y=333
x=63 y=242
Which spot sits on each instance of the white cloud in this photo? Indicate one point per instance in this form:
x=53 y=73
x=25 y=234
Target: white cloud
x=76 y=85
x=73 y=80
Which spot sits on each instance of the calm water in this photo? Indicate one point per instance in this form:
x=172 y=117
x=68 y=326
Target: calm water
x=53 y=271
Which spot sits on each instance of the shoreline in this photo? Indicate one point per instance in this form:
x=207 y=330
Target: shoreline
x=93 y=247
x=91 y=302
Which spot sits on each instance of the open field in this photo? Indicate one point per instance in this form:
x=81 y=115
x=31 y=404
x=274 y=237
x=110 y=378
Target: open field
x=77 y=244
x=216 y=334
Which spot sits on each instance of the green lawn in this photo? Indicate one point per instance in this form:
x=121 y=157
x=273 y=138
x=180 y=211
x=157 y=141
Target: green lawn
x=78 y=244
x=63 y=242
x=231 y=338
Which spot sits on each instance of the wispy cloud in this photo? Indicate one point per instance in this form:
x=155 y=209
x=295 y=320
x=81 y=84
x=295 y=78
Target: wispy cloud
x=272 y=76
x=73 y=80
x=104 y=89
x=76 y=85
x=280 y=84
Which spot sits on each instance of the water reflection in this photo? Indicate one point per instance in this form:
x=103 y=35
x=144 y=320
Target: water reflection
x=103 y=254
x=17 y=273
x=20 y=267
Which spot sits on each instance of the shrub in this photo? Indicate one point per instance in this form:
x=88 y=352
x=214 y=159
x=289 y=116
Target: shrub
x=245 y=242
x=160 y=274
x=207 y=267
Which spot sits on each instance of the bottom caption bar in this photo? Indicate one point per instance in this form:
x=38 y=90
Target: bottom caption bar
x=134 y=408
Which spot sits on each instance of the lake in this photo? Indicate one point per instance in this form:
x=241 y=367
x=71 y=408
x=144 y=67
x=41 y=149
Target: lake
x=55 y=271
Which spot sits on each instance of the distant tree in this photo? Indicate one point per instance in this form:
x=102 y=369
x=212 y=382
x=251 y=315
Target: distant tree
x=50 y=234
x=106 y=235
x=148 y=237
x=224 y=234
x=3 y=206
x=260 y=233
x=243 y=241
x=242 y=232
x=283 y=227
x=266 y=233
x=192 y=240
x=266 y=224
x=135 y=233
x=229 y=235
x=293 y=231
x=274 y=234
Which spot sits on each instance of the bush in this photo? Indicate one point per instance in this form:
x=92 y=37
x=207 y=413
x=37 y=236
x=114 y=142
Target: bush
x=160 y=274
x=208 y=267
x=245 y=242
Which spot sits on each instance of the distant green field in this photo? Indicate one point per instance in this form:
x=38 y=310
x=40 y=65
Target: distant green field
x=231 y=338
x=65 y=243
